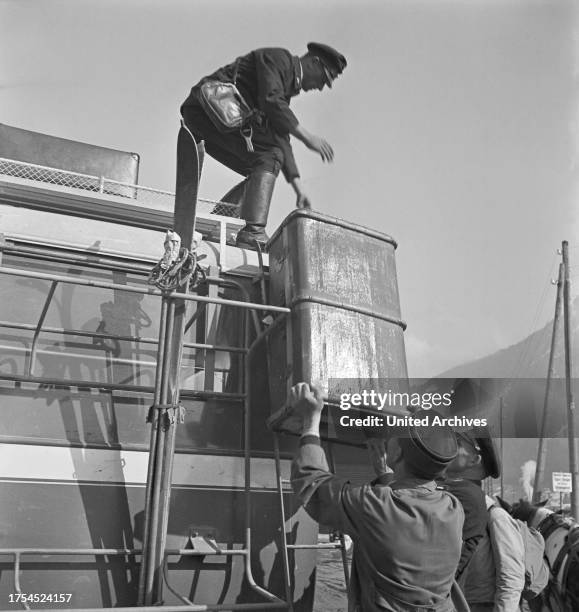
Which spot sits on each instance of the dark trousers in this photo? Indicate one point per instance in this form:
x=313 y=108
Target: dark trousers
x=230 y=148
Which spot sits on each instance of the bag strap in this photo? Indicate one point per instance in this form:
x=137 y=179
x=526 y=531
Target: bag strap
x=236 y=70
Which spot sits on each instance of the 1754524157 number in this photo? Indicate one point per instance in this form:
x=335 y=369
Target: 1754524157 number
x=39 y=597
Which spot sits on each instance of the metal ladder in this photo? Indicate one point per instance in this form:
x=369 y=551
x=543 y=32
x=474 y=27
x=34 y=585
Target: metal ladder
x=339 y=545
x=165 y=419
x=276 y=432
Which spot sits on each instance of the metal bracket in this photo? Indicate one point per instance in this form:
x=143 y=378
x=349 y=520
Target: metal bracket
x=167 y=412
x=203 y=545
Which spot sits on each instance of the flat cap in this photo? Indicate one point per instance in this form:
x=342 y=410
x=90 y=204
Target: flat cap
x=333 y=60
x=428 y=447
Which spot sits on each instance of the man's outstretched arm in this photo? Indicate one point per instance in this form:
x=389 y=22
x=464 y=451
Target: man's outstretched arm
x=314 y=143
x=317 y=144
x=310 y=467
x=322 y=493
x=302 y=198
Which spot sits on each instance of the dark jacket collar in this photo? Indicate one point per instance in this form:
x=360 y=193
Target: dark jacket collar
x=298 y=75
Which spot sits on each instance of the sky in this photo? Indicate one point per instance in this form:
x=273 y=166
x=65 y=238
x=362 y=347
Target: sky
x=455 y=130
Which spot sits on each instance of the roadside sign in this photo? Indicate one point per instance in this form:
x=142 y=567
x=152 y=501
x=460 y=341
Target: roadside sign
x=562 y=482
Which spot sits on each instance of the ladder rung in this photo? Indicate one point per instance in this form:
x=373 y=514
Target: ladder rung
x=189 y=552
x=320 y=546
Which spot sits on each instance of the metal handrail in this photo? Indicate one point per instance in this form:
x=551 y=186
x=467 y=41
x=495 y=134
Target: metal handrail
x=142 y=290
x=84 y=384
x=105 y=260
x=98 y=184
x=21 y=164
x=247 y=445
x=138 y=339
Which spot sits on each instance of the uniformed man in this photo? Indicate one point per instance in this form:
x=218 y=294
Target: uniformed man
x=267 y=79
x=406 y=532
x=475 y=460
x=495 y=576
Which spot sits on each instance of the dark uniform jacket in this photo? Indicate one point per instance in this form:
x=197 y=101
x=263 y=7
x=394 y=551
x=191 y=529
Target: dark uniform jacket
x=267 y=79
x=472 y=498
x=407 y=535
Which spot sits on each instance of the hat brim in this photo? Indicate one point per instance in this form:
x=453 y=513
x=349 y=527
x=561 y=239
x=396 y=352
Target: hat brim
x=329 y=56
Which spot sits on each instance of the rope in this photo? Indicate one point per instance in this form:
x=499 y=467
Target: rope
x=183 y=270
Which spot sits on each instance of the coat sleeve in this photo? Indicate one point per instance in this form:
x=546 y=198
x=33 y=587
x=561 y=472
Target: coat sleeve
x=326 y=498
x=467 y=550
x=274 y=70
x=476 y=518
x=509 y=558
x=289 y=167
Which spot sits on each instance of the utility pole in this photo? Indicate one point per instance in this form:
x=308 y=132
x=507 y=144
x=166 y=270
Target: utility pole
x=569 y=386
x=542 y=451
x=501 y=451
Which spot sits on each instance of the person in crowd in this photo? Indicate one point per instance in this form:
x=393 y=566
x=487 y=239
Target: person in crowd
x=470 y=495
x=267 y=79
x=494 y=578
x=406 y=531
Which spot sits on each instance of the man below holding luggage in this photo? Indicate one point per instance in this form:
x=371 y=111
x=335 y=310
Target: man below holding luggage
x=406 y=533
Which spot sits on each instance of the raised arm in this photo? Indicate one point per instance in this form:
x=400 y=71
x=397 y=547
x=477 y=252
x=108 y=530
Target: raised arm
x=326 y=498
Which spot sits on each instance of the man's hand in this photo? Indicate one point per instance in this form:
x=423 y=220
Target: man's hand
x=321 y=146
x=302 y=198
x=303 y=201
x=314 y=143
x=307 y=402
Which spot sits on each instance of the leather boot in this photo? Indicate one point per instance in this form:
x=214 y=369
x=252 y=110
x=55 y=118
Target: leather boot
x=255 y=209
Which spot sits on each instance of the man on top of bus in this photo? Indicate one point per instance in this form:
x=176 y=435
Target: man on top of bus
x=406 y=532
x=267 y=80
